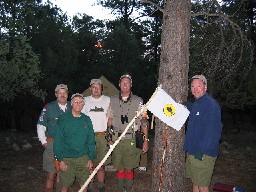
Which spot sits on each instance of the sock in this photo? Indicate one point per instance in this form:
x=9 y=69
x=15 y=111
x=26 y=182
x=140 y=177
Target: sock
x=120 y=177
x=48 y=189
x=128 y=181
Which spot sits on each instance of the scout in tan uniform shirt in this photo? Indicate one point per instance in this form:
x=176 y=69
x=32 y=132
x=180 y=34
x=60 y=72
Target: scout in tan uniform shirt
x=122 y=110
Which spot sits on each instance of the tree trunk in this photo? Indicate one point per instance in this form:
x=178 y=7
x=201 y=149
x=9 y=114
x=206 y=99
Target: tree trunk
x=169 y=157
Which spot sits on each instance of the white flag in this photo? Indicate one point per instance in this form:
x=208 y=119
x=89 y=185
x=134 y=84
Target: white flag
x=167 y=110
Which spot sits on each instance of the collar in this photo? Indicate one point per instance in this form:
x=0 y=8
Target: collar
x=202 y=97
x=128 y=99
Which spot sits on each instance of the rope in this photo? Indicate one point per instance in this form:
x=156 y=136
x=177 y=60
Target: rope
x=116 y=142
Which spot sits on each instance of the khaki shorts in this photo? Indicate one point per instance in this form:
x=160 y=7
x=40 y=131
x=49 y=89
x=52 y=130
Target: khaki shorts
x=126 y=155
x=101 y=150
x=48 y=158
x=200 y=172
x=77 y=169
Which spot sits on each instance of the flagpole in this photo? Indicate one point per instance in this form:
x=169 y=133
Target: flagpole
x=116 y=142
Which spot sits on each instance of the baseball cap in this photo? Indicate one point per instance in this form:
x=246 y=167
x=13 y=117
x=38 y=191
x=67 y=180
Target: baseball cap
x=201 y=77
x=96 y=81
x=76 y=95
x=61 y=86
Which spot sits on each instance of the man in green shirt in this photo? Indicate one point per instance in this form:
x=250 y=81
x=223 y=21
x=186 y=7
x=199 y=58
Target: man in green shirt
x=74 y=144
x=45 y=129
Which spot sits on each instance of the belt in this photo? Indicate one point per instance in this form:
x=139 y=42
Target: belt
x=126 y=136
x=100 y=133
x=49 y=139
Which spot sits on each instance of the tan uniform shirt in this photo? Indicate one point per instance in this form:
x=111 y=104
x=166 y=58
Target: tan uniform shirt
x=122 y=112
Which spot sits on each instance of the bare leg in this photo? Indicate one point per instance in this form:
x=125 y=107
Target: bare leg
x=101 y=174
x=64 y=189
x=200 y=189
x=195 y=188
x=101 y=179
x=50 y=180
x=57 y=177
x=203 y=189
x=57 y=183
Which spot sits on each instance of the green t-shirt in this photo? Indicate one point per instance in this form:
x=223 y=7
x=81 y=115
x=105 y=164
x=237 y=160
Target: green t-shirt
x=74 y=137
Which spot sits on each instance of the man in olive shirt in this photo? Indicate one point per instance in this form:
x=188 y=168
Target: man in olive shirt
x=126 y=156
x=74 y=145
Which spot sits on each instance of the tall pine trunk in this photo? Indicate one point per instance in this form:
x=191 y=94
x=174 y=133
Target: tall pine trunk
x=169 y=157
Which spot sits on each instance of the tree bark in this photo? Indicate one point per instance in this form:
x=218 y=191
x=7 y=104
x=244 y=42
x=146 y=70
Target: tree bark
x=169 y=157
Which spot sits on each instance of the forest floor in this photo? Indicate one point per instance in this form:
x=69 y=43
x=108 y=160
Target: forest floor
x=21 y=170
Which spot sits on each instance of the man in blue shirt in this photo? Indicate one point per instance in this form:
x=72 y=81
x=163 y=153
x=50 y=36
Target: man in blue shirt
x=202 y=136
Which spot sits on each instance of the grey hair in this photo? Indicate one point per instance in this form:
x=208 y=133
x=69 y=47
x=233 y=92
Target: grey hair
x=76 y=95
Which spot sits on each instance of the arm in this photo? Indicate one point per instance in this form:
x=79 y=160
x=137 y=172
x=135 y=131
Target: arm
x=83 y=110
x=91 y=139
x=41 y=134
x=212 y=126
x=41 y=126
x=144 y=129
x=188 y=105
x=58 y=142
x=110 y=129
x=109 y=116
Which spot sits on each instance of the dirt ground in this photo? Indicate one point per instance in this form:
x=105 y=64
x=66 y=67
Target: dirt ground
x=21 y=170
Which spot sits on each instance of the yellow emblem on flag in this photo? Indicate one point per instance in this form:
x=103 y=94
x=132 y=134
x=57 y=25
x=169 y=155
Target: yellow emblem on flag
x=169 y=110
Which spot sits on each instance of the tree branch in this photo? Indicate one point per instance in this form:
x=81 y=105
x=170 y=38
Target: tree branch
x=155 y=5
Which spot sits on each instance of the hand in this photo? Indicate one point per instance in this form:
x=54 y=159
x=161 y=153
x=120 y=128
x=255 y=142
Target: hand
x=90 y=165
x=198 y=155
x=110 y=143
x=63 y=166
x=45 y=145
x=109 y=133
x=145 y=146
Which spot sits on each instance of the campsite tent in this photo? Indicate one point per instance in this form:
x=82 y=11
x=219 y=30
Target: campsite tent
x=108 y=88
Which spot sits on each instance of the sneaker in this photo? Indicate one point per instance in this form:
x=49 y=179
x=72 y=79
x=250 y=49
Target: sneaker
x=142 y=169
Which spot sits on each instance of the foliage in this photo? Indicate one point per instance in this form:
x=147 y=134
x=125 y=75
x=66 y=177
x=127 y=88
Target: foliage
x=221 y=50
x=221 y=44
x=20 y=73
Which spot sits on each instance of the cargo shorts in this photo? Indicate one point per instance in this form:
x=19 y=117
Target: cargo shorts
x=76 y=169
x=101 y=150
x=200 y=172
x=126 y=155
x=48 y=158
